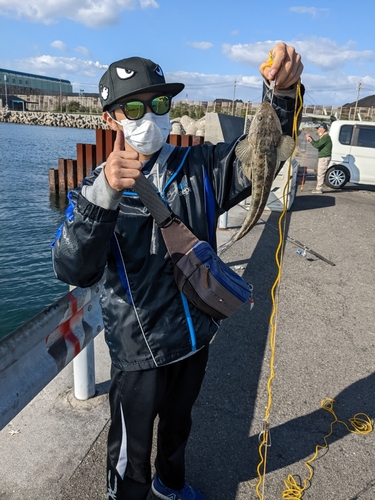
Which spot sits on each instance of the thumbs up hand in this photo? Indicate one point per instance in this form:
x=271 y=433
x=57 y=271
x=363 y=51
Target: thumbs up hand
x=122 y=168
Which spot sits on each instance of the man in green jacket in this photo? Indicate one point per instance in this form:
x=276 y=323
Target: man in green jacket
x=324 y=147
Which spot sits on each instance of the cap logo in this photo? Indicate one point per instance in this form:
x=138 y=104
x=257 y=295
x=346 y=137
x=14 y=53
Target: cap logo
x=159 y=71
x=105 y=93
x=124 y=73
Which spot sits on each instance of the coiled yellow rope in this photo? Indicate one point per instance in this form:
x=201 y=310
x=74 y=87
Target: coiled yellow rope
x=361 y=423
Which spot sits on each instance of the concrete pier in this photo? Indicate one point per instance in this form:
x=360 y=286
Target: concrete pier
x=325 y=348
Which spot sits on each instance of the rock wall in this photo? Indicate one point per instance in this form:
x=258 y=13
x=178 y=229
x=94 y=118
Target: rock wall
x=183 y=125
x=53 y=119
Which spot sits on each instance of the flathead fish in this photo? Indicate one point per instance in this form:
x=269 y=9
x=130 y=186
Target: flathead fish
x=260 y=155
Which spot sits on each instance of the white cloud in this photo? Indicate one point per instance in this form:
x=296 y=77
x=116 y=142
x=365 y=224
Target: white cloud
x=331 y=89
x=58 y=44
x=313 y=11
x=201 y=45
x=322 y=53
x=251 y=54
x=208 y=87
x=327 y=55
x=82 y=50
x=336 y=86
x=148 y=3
x=63 y=67
x=336 y=89
x=91 y=13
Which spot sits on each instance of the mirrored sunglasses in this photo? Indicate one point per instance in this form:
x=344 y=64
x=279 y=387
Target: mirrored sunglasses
x=136 y=109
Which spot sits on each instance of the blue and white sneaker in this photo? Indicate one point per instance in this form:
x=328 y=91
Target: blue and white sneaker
x=187 y=492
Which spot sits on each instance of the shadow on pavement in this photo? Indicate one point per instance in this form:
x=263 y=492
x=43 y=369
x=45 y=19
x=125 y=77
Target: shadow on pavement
x=220 y=454
x=296 y=439
x=313 y=202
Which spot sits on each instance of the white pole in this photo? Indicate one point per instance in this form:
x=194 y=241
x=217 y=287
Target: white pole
x=84 y=373
x=356 y=102
x=6 y=92
x=223 y=220
x=234 y=96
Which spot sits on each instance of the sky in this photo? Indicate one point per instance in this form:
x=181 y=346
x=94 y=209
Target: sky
x=214 y=47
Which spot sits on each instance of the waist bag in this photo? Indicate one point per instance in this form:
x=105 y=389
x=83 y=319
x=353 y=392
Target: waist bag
x=206 y=281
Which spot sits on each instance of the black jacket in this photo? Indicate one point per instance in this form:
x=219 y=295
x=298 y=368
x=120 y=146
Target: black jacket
x=147 y=321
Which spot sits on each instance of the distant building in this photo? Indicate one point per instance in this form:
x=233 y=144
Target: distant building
x=221 y=100
x=15 y=79
x=15 y=83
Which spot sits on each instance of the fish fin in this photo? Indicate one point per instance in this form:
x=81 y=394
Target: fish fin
x=285 y=147
x=243 y=151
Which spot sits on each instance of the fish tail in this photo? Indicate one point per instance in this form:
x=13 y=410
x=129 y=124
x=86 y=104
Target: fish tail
x=224 y=248
x=249 y=222
x=255 y=211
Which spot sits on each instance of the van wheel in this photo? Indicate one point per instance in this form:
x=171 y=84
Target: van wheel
x=336 y=177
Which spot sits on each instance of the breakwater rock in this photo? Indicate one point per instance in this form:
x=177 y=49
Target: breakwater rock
x=183 y=125
x=53 y=119
x=189 y=126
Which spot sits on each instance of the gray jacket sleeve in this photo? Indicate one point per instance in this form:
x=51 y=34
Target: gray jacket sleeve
x=100 y=193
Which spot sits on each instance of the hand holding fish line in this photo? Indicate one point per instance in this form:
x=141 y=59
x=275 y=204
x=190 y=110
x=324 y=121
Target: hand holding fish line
x=284 y=65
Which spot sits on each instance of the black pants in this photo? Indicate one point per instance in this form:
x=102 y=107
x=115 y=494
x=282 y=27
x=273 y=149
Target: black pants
x=136 y=398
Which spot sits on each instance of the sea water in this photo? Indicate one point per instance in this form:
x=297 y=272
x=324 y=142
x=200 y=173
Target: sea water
x=30 y=216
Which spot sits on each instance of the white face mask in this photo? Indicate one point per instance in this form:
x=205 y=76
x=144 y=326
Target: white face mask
x=148 y=134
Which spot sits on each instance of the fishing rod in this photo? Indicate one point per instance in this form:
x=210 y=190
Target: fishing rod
x=298 y=243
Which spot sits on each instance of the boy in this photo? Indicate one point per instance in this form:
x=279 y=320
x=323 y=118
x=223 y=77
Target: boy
x=158 y=341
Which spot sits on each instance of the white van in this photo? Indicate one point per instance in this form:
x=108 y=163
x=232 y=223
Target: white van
x=353 y=153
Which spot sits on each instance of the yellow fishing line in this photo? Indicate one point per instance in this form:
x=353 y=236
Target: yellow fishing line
x=361 y=423
x=269 y=61
x=264 y=444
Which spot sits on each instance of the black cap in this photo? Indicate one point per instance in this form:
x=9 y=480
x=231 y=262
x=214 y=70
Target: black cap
x=323 y=125
x=131 y=76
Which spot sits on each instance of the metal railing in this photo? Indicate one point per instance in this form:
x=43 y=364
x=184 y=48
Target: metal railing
x=36 y=352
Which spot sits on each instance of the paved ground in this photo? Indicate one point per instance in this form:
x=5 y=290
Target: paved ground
x=325 y=346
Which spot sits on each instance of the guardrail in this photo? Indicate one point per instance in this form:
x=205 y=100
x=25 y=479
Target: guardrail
x=35 y=353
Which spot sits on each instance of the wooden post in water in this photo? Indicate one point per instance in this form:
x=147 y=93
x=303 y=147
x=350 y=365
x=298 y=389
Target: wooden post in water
x=53 y=179
x=174 y=139
x=62 y=175
x=104 y=144
x=71 y=174
x=81 y=163
x=86 y=160
x=90 y=158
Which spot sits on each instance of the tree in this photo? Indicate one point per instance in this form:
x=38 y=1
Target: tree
x=73 y=107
